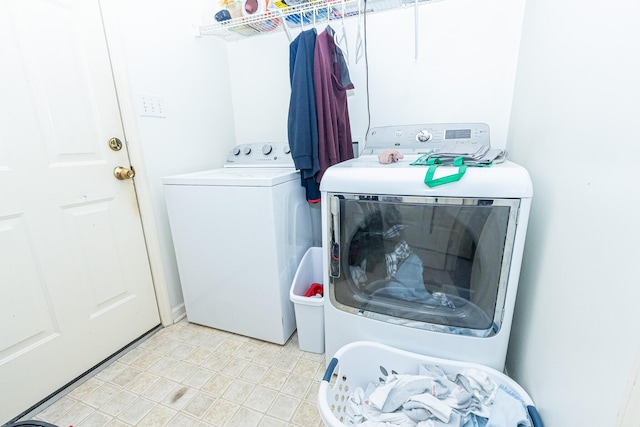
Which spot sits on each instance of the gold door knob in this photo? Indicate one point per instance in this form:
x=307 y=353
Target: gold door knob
x=124 y=173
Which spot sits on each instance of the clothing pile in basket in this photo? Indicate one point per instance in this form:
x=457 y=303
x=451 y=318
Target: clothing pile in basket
x=433 y=399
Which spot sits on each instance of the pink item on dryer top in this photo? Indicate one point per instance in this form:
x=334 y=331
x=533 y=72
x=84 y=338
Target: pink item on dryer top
x=390 y=156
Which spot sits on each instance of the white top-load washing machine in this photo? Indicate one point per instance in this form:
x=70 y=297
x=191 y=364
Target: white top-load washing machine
x=433 y=270
x=239 y=233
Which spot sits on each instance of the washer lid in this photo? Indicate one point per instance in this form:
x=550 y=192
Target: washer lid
x=238 y=177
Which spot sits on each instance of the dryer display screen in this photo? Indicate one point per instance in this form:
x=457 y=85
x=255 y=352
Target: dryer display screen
x=457 y=134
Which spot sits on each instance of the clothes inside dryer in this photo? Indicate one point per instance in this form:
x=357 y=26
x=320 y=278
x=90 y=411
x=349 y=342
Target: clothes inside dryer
x=429 y=263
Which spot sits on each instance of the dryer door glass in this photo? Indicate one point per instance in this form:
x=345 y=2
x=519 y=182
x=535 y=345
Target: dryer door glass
x=433 y=263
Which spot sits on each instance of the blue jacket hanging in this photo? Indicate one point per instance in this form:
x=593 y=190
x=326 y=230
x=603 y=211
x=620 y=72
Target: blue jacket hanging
x=302 y=125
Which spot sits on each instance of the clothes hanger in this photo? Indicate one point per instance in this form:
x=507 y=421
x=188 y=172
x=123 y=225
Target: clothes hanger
x=314 y=18
x=342 y=40
x=360 y=37
x=415 y=5
x=327 y=16
x=283 y=22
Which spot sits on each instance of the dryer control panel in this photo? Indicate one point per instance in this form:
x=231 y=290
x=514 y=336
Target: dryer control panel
x=260 y=155
x=423 y=138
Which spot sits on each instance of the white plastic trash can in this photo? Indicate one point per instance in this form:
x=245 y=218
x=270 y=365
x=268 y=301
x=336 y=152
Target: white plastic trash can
x=309 y=310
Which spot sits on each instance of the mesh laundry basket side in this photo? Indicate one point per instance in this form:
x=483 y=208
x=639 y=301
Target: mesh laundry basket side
x=358 y=364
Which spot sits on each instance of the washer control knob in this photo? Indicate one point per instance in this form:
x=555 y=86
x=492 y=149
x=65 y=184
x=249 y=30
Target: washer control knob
x=236 y=151
x=247 y=150
x=424 y=136
x=287 y=149
x=267 y=149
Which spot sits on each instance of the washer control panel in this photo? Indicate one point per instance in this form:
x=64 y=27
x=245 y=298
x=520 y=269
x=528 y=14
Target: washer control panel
x=260 y=155
x=425 y=137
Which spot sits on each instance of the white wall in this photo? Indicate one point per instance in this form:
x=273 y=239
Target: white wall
x=465 y=70
x=191 y=75
x=575 y=125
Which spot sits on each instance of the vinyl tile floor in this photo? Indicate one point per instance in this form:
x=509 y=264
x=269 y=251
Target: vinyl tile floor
x=190 y=375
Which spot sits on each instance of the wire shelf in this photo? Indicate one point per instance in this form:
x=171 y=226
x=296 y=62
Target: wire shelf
x=275 y=20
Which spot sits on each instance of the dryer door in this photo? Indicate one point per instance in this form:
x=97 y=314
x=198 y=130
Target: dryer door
x=433 y=263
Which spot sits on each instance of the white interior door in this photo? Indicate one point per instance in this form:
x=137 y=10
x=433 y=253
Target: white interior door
x=75 y=281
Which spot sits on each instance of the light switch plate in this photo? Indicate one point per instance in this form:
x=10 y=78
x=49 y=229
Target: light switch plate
x=151 y=106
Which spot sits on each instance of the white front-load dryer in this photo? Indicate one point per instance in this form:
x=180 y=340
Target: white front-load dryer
x=239 y=233
x=428 y=269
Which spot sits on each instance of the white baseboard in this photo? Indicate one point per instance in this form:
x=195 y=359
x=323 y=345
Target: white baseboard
x=178 y=313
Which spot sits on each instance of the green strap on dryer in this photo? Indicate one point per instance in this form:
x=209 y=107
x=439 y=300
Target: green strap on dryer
x=433 y=164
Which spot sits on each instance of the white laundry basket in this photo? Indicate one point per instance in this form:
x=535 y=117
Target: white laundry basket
x=309 y=310
x=358 y=364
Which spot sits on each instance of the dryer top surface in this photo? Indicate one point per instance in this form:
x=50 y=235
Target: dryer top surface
x=366 y=175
